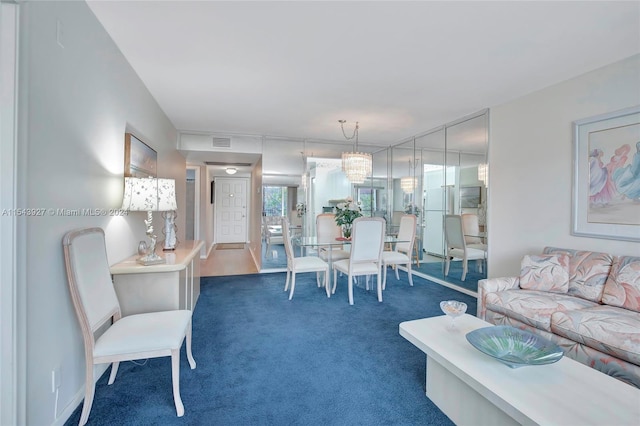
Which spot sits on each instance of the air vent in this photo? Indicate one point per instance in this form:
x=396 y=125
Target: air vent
x=222 y=163
x=221 y=142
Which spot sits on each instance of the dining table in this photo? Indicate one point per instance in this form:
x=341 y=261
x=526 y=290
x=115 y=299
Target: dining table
x=313 y=242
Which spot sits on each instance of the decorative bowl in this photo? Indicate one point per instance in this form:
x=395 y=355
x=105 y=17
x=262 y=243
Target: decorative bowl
x=514 y=347
x=453 y=308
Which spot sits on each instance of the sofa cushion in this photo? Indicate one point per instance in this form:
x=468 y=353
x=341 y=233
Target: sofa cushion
x=533 y=307
x=545 y=272
x=623 y=285
x=613 y=331
x=588 y=272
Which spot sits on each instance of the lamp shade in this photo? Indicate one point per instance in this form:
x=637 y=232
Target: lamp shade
x=149 y=194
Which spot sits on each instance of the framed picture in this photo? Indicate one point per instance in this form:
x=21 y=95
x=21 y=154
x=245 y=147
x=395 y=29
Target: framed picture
x=606 y=176
x=470 y=197
x=140 y=160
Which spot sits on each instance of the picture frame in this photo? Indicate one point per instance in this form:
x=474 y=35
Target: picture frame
x=470 y=197
x=140 y=160
x=606 y=184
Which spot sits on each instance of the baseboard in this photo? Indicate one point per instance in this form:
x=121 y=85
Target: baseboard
x=446 y=284
x=77 y=399
x=253 y=256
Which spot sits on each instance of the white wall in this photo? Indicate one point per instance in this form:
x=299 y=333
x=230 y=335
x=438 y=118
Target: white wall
x=530 y=162
x=76 y=102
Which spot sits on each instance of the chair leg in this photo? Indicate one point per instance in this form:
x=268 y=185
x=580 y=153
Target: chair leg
x=397 y=274
x=384 y=276
x=90 y=388
x=286 y=284
x=366 y=282
x=350 y=278
x=293 y=284
x=379 y=285
x=326 y=282
x=114 y=371
x=192 y=362
x=409 y=273
x=446 y=265
x=318 y=278
x=464 y=269
x=175 y=379
x=335 y=281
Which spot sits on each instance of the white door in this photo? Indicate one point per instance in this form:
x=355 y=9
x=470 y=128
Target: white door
x=231 y=210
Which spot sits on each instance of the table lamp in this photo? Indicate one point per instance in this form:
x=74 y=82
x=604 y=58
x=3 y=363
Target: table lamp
x=149 y=194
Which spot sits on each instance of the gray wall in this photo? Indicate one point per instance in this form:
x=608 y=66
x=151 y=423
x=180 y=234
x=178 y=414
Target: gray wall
x=76 y=103
x=530 y=164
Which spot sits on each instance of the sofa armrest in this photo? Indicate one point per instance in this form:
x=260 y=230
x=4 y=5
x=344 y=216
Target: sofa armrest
x=492 y=285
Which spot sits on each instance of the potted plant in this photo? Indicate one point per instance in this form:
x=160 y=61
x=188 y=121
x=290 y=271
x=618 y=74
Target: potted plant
x=346 y=213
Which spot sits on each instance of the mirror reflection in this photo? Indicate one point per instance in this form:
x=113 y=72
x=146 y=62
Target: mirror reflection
x=439 y=176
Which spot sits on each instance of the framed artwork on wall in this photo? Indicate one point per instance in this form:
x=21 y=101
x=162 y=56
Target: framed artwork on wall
x=606 y=176
x=470 y=197
x=140 y=160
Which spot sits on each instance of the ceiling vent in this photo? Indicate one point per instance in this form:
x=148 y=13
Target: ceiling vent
x=221 y=142
x=226 y=163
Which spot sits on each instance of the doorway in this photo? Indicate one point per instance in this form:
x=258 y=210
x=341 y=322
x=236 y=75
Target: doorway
x=231 y=201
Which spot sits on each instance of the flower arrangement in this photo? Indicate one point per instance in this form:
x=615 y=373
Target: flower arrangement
x=346 y=213
x=301 y=209
x=411 y=208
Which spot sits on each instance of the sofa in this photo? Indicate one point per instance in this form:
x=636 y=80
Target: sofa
x=586 y=302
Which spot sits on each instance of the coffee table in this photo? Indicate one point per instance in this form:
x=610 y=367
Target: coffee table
x=475 y=389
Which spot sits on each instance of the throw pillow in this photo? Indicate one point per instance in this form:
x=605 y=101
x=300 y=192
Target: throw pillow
x=545 y=272
x=623 y=286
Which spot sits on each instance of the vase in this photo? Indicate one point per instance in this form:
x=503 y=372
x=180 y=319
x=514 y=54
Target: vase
x=346 y=230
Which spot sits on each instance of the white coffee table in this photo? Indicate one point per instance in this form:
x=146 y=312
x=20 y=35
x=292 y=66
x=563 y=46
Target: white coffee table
x=474 y=389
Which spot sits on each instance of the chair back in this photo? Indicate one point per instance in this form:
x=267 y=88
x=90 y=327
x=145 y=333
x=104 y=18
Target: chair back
x=453 y=231
x=367 y=239
x=286 y=236
x=89 y=278
x=327 y=230
x=471 y=228
x=407 y=232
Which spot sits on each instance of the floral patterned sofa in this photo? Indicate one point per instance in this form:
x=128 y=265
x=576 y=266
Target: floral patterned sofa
x=586 y=302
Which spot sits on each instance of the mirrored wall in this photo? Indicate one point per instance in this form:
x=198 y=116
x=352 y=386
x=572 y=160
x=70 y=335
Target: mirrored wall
x=438 y=173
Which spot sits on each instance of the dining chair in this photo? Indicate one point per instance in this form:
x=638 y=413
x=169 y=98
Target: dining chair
x=402 y=253
x=367 y=239
x=302 y=264
x=133 y=337
x=456 y=246
x=471 y=231
x=327 y=230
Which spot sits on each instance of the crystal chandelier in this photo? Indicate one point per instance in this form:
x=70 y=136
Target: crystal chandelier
x=356 y=165
x=409 y=183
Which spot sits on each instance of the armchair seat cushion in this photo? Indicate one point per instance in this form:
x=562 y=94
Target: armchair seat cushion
x=610 y=330
x=309 y=264
x=533 y=307
x=394 y=257
x=368 y=268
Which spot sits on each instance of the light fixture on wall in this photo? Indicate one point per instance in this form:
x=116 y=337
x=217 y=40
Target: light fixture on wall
x=356 y=165
x=150 y=194
x=483 y=173
x=231 y=170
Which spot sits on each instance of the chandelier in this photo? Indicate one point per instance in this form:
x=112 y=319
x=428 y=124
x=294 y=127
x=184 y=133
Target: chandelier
x=410 y=182
x=356 y=165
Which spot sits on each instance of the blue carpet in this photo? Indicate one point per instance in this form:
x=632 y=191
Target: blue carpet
x=436 y=269
x=265 y=360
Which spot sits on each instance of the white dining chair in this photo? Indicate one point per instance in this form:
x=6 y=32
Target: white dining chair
x=367 y=239
x=327 y=231
x=401 y=255
x=456 y=246
x=302 y=264
x=471 y=231
x=140 y=336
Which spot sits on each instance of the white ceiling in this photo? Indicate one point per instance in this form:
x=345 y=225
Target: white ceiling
x=399 y=68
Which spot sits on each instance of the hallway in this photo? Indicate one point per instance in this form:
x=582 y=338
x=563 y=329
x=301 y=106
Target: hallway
x=228 y=262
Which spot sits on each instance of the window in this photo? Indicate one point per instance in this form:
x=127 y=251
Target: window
x=274 y=200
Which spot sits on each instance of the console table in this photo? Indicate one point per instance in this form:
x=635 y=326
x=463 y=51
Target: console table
x=163 y=287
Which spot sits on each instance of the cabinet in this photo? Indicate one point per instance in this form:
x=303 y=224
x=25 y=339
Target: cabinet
x=164 y=287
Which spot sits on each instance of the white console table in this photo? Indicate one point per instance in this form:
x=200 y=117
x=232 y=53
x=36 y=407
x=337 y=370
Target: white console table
x=168 y=286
